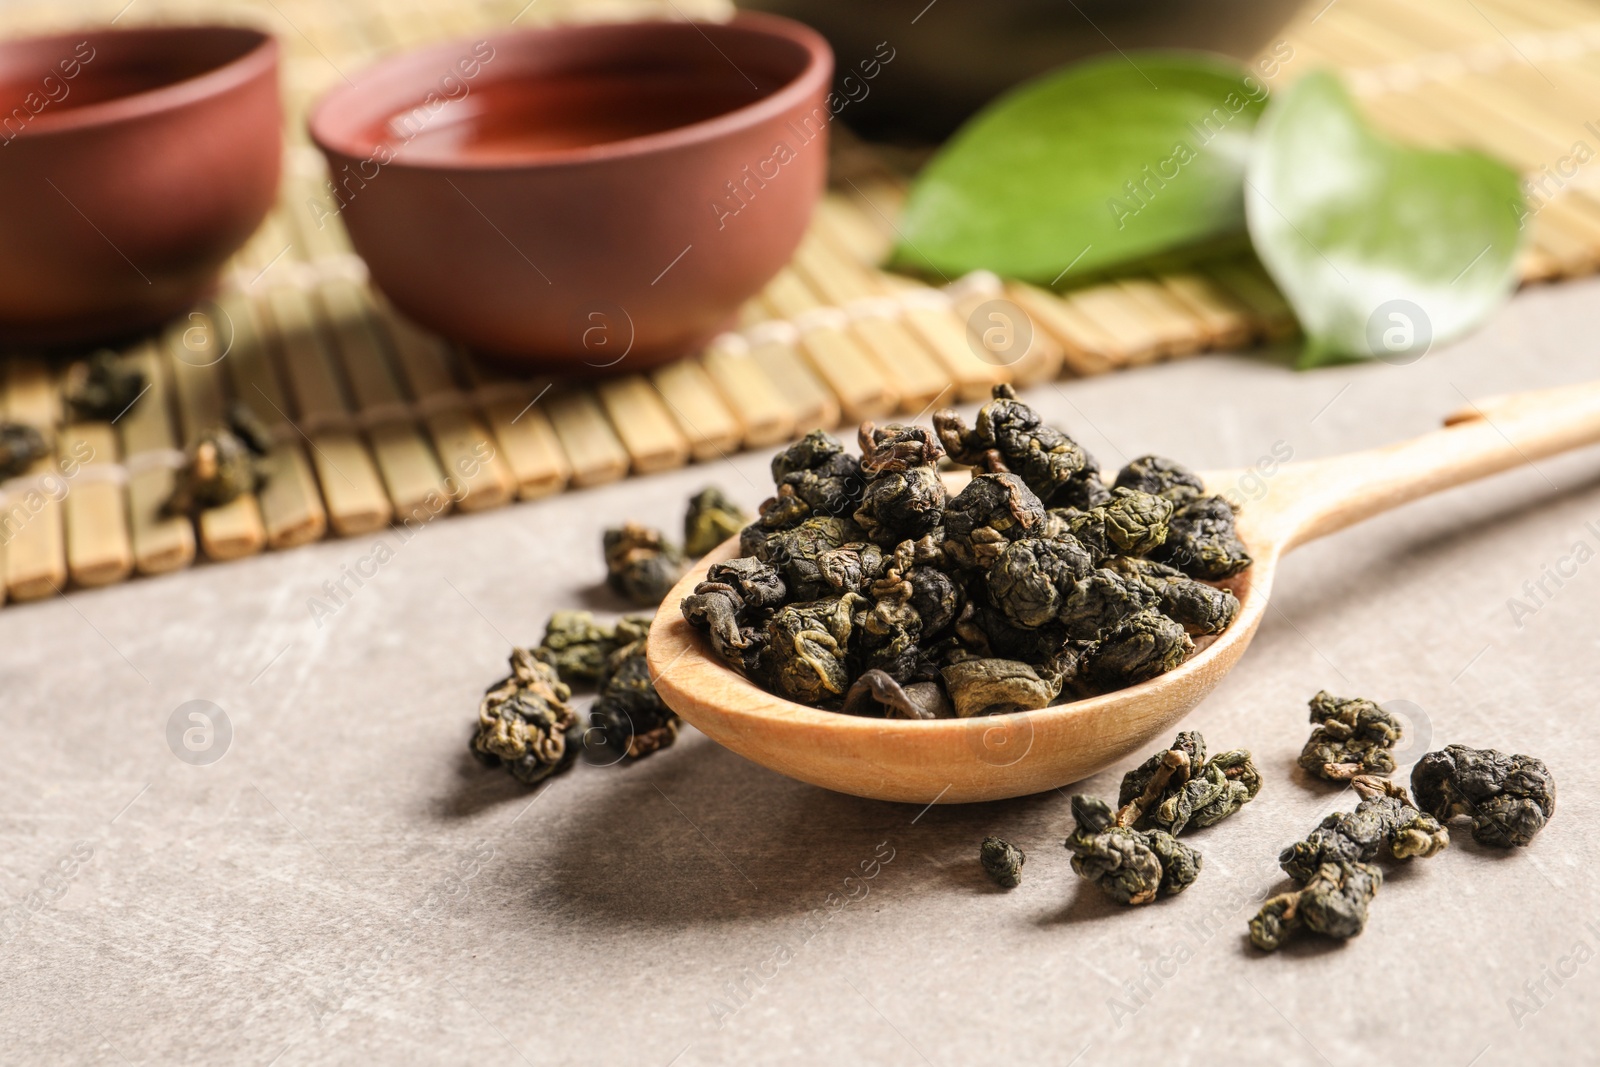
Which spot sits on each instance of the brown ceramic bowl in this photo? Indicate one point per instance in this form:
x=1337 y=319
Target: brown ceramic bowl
x=590 y=199
x=133 y=163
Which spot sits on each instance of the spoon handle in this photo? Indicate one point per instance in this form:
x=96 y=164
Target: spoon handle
x=1309 y=500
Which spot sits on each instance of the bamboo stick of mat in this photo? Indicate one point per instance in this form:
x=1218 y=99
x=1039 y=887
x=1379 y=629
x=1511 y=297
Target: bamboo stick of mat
x=292 y=512
x=352 y=489
x=591 y=446
x=864 y=392
x=1177 y=332
x=526 y=440
x=999 y=327
x=1549 y=15
x=930 y=317
x=161 y=542
x=194 y=347
x=36 y=556
x=1247 y=282
x=411 y=474
x=461 y=439
x=884 y=331
x=845 y=223
x=98 y=549
x=711 y=426
x=644 y=424
x=774 y=349
x=1225 y=322
x=767 y=415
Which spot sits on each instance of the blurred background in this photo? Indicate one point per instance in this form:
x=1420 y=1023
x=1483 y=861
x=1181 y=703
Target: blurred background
x=370 y=417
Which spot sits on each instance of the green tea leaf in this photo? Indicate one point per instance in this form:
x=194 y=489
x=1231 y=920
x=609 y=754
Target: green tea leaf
x=1381 y=249
x=1093 y=166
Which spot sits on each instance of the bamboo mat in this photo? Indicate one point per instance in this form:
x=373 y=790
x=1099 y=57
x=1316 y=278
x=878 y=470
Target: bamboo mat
x=375 y=422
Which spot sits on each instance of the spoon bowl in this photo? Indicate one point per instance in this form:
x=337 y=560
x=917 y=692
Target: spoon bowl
x=955 y=761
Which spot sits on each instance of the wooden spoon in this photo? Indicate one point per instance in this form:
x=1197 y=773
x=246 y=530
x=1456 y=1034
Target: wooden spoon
x=959 y=760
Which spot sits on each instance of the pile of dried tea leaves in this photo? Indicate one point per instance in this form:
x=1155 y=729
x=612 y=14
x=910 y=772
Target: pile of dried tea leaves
x=526 y=721
x=1134 y=854
x=863 y=587
x=1508 y=798
x=1334 y=864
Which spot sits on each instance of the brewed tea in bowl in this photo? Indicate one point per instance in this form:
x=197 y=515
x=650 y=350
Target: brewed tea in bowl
x=588 y=199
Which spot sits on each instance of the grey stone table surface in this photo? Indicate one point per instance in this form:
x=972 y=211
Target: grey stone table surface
x=345 y=885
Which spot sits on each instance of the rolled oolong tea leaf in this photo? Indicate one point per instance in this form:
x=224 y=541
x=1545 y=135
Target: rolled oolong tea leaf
x=104 y=385
x=248 y=427
x=732 y=603
x=908 y=601
x=712 y=518
x=1202 y=541
x=1130 y=523
x=781 y=511
x=1011 y=436
x=1352 y=736
x=852 y=568
x=984 y=632
x=1161 y=477
x=21 y=446
x=1508 y=798
x=577 y=645
x=820 y=474
x=904 y=497
x=629 y=715
x=1100 y=602
x=913 y=582
x=804 y=657
x=641 y=564
x=798 y=553
x=1385 y=818
x=1200 y=608
x=219 y=467
x=1334 y=864
x=1002 y=862
x=1181 y=788
x=1333 y=902
x=1145 y=785
x=1140 y=648
x=525 y=723
x=876 y=694
x=1131 y=866
x=1032 y=578
x=996 y=686
x=992 y=511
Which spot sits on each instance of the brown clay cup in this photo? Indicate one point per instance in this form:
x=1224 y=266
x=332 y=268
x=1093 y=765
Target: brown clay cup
x=584 y=199
x=133 y=163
